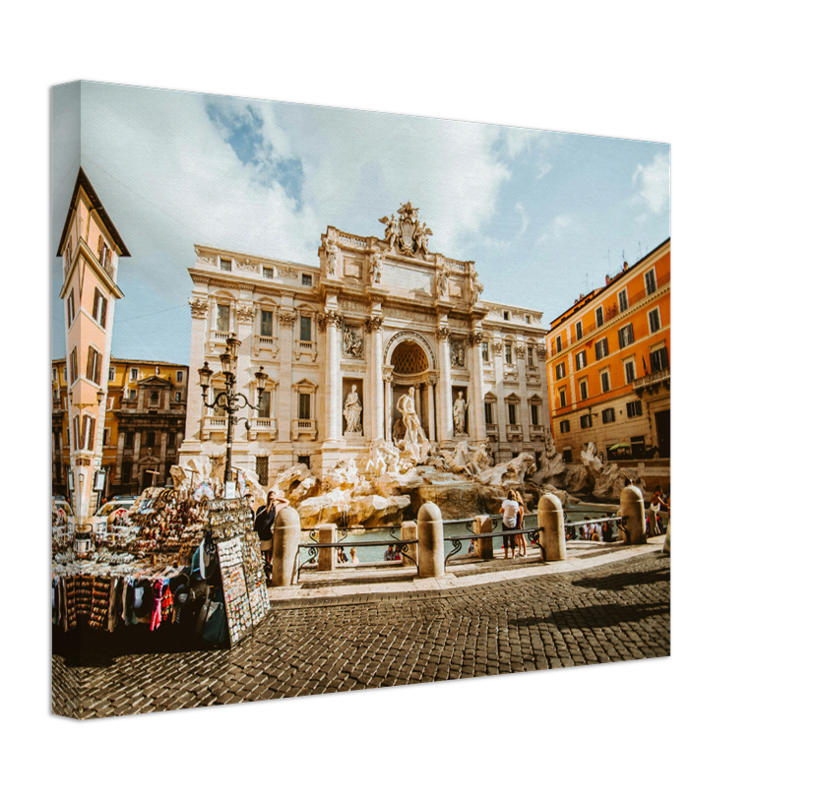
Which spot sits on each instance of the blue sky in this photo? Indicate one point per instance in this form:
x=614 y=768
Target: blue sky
x=544 y=215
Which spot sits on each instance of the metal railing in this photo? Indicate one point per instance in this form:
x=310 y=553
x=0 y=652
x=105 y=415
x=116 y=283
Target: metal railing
x=313 y=546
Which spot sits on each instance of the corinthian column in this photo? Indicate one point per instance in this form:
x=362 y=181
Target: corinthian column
x=333 y=389
x=479 y=429
x=376 y=390
x=445 y=418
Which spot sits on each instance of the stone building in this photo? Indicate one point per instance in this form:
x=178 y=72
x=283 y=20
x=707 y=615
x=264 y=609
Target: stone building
x=344 y=342
x=145 y=412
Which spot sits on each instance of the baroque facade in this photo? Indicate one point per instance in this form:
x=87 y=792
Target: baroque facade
x=344 y=342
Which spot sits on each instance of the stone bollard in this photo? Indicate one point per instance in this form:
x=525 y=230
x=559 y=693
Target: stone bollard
x=286 y=545
x=666 y=545
x=553 y=535
x=409 y=532
x=633 y=509
x=483 y=547
x=431 y=541
x=327 y=556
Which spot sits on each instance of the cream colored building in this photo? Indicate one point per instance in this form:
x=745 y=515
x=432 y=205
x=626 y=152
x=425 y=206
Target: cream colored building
x=377 y=317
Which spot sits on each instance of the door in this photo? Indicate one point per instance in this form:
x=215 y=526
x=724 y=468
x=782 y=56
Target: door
x=663 y=423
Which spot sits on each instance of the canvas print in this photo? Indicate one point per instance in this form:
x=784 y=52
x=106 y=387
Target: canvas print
x=344 y=399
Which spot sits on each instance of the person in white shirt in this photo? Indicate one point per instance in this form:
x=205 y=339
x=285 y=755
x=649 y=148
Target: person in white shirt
x=510 y=509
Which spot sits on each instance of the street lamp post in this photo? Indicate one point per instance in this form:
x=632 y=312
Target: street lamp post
x=230 y=400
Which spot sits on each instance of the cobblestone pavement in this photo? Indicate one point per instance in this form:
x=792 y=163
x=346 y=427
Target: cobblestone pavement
x=615 y=612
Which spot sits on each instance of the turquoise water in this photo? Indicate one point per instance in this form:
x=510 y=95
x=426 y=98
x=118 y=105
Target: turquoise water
x=373 y=555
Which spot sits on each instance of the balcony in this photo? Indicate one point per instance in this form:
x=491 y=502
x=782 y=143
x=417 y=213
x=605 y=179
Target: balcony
x=537 y=432
x=263 y=426
x=304 y=348
x=651 y=383
x=304 y=427
x=265 y=344
x=514 y=432
x=492 y=430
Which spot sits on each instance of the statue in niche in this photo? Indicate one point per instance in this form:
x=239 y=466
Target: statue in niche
x=351 y=343
x=352 y=412
x=441 y=282
x=376 y=267
x=457 y=354
x=460 y=414
x=410 y=419
x=333 y=258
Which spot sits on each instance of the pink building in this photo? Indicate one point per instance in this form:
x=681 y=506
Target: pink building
x=90 y=247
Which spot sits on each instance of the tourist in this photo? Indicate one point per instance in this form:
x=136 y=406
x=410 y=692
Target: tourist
x=658 y=503
x=264 y=525
x=606 y=531
x=510 y=510
x=354 y=559
x=341 y=557
x=520 y=538
x=389 y=553
x=471 y=548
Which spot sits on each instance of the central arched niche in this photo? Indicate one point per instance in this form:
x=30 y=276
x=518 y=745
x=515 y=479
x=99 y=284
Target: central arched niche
x=409 y=359
x=410 y=370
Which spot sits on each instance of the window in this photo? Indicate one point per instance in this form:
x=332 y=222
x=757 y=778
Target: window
x=580 y=359
x=93 y=371
x=528 y=319
x=265 y=323
x=558 y=344
x=88 y=430
x=535 y=411
x=578 y=331
x=179 y=376
x=564 y=426
x=630 y=371
x=605 y=381
x=74 y=365
x=222 y=318
x=106 y=437
x=512 y=410
x=265 y=405
x=305 y=334
x=55 y=394
x=562 y=398
x=560 y=370
x=134 y=374
x=100 y=307
x=650 y=281
x=304 y=406
x=608 y=415
x=622 y=299
x=111 y=374
x=508 y=353
x=54 y=374
x=268 y=272
x=530 y=352
x=601 y=349
x=131 y=395
x=626 y=335
x=599 y=316
x=150 y=439
x=65 y=374
x=567 y=455
x=585 y=421
x=489 y=413
x=306 y=279
x=76 y=432
x=584 y=390
x=71 y=308
x=226 y=265
x=178 y=397
x=634 y=409
x=653 y=320
x=485 y=351
x=659 y=360
x=129 y=436
x=262 y=468
x=506 y=316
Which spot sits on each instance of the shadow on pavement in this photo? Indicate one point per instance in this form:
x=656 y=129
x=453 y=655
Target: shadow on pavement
x=599 y=616
x=621 y=581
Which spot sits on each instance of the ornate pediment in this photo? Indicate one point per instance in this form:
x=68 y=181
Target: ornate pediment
x=407 y=235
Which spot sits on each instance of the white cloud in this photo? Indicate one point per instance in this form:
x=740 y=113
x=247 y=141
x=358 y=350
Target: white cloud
x=556 y=228
x=544 y=170
x=524 y=218
x=653 y=184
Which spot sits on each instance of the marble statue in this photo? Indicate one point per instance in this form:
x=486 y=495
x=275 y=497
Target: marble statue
x=352 y=412
x=391 y=230
x=333 y=258
x=460 y=414
x=457 y=354
x=376 y=267
x=351 y=343
x=410 y=419
x=441 y=282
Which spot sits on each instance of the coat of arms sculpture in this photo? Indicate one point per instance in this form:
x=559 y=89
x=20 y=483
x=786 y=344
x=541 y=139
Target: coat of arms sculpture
x=407 y=234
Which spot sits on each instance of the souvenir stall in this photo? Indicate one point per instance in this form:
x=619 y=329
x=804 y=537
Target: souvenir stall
x=177 y=558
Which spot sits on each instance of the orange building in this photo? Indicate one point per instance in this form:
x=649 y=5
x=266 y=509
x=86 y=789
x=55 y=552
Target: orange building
x=146 y=408
x=609 y=365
